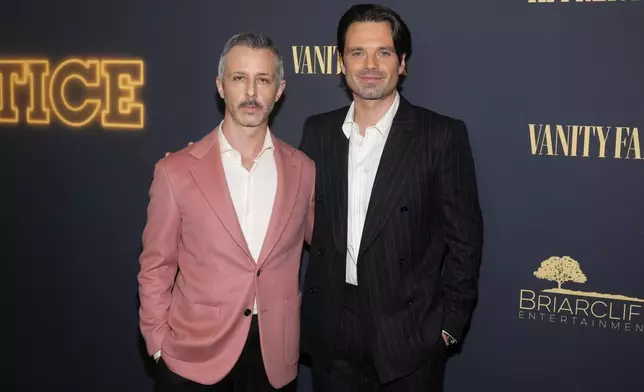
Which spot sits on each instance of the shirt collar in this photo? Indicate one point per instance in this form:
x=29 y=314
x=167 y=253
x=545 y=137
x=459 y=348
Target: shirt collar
x=224 y=145
x=383 y=126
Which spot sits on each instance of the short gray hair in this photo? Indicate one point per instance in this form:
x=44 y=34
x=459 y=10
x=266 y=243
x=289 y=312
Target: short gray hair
x=254 y=41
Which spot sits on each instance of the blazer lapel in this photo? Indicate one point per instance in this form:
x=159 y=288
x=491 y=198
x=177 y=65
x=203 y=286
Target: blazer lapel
x=210 y=177
x=396 y=164
x=335 y=188
x=288 y=186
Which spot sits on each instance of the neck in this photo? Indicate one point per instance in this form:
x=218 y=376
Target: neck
x=369 y=111
x=248 y=141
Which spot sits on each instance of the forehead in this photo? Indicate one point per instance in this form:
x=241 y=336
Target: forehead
x=366 y=34
x=249 y=60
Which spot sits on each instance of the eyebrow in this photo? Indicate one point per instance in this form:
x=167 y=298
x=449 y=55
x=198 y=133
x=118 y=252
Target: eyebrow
x=351 y=49
x=244 y=73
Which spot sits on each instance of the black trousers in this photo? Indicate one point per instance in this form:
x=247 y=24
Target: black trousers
x=248 y=374
x=351 y=368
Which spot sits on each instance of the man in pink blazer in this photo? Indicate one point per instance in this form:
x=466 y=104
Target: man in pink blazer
x=227 y=218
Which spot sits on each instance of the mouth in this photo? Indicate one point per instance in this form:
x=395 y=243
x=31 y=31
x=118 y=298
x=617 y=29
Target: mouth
x=370 y=79
x=251 y=109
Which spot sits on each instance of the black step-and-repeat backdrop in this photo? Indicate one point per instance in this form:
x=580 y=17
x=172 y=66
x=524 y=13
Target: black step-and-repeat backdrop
x=92 y=93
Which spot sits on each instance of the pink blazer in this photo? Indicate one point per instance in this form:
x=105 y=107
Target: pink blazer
x=198 y=320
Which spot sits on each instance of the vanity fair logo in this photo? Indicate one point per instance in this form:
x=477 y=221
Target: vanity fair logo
x=585 y=141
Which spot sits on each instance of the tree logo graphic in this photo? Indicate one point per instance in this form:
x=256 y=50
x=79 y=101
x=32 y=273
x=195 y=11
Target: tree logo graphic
x=561 y=270
x=565 y=269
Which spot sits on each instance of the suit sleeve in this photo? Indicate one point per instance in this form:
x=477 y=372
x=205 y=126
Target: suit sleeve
x=307 y=147
x=463 y=229
x=310 y=216
x=158 y=260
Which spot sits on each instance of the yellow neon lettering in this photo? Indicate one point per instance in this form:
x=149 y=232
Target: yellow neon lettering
x=73 y=92
x=12 y=74
x=87 y=73
x=122 y=77
x=37 y=72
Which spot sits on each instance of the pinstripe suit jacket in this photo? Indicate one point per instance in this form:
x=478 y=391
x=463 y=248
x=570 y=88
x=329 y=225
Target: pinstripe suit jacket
x=419 y=257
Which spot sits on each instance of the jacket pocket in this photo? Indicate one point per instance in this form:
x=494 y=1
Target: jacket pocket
x=192 y=329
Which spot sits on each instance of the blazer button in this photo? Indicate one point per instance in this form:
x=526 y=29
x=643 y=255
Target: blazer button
x=318 y=198
x=401 y=261
x=313 y=290
x=403 y=209
x=320 y=252
x=247 y=312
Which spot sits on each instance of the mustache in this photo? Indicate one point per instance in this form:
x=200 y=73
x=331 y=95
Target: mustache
x=250 y=103
x=371 y=74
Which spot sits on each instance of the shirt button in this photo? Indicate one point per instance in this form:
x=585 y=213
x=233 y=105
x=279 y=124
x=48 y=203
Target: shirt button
x=247 y=312
x=259 y=272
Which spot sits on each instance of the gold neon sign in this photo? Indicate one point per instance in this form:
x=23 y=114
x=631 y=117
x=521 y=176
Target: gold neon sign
x=76 y=92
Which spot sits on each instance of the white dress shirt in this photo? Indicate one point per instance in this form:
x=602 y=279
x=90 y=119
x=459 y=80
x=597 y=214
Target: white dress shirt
x=252 y=192
x=364 y=157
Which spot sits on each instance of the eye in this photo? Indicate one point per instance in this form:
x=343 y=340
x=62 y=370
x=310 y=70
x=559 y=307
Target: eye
x=385 y=53
x=264 y=80
x=237 y=77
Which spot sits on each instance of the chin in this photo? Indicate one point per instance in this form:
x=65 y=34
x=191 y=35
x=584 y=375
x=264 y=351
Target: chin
x=371 y=96
x=251 y=121
x=250 y=124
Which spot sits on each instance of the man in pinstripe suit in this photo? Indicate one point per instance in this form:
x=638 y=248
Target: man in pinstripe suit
x=392 y=278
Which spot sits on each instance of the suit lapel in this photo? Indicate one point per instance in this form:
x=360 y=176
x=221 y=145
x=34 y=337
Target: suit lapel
x=288 y=185
x=396 y=164
x=210 y=177
x=335 y=184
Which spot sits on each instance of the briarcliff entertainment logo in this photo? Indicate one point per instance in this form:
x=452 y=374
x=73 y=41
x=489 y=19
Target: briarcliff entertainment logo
x=75 y=92
x=317 y=60
x=587 y=141
x=578 y=308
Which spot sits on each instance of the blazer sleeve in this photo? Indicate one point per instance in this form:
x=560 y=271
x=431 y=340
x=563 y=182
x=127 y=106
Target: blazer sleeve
x=158 y=260
x=306 y=147
x=310 y=214
x=463 y=229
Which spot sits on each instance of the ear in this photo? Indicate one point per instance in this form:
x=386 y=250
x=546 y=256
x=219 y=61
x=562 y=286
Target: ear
x=280 y=90
x=344 y=71
x=220 y=87
x=403 y=64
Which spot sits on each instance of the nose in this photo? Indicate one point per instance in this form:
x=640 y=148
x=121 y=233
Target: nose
x=371 y=61
x=251 y=89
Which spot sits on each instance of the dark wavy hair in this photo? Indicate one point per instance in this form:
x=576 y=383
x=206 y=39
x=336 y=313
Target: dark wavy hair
x=376 y=13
